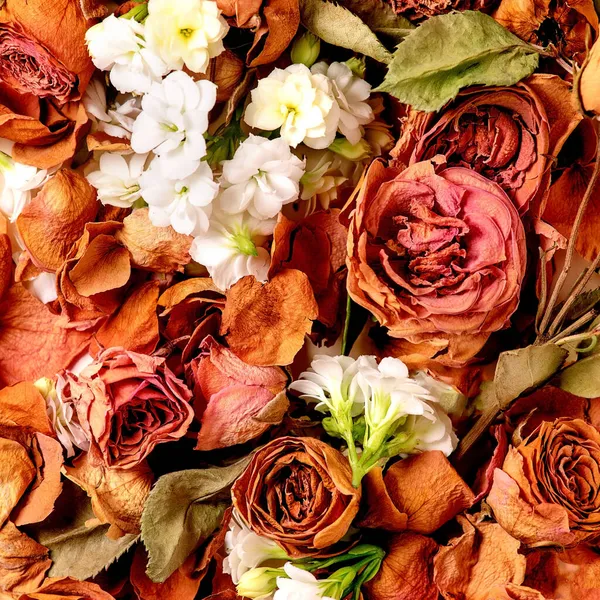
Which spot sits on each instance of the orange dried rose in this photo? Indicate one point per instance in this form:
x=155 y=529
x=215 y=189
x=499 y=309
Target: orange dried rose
x=438 y=258
x=128 y=403
x=298 y=492
x=420 y=9
x=547 y=490
x=235 y=402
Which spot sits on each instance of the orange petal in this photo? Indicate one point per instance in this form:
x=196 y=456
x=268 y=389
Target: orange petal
x=159 y=249
x=24 y=405
x=406 y=571
x=483 y=557
x=184 y=289
x=428 y=489
x=118 y=495
x=27 y=323
x=54 y=220
x=265 y=324
x=16 y=473
x=23 y=562
x=135 y=325
x=67 y=588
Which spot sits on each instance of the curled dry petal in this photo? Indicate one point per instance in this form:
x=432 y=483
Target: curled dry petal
x=485 y=556
x=298 y=492
x=158 y=249
x=265 y=324
x=225 y=71
x=419 y=9
x=128 y=403
x=23 y=405
x=511 y=591
x=117 y=495
x=236 y=402
x=54 y=588
x=27 y=323
x=547 y=490
x=425 y=488
x=54 y=220
x=589 y=83
x=406 y=571
x=437 y=258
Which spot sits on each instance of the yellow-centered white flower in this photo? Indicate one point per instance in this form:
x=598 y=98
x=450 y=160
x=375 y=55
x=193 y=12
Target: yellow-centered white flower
x=186 y=32
x=173 y=121
x=185 y=204
x=300 y=584
x=297 y=101
x=262 y=176
x=118 y=45
x=351 y=94
x=117 y=179
x=233 y=248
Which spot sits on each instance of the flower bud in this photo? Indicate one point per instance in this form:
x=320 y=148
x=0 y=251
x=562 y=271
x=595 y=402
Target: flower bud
x=44 y=386
x=357 y=66
x=258 y=582
x=353 y=152
x=306 y=49
x=138 y=13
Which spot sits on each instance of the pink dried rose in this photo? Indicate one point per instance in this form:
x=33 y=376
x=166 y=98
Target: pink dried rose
x=128 y=403
x=438 y=258
x=236 y=402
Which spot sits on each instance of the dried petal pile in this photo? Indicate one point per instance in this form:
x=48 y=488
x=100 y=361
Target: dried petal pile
x=299 y=300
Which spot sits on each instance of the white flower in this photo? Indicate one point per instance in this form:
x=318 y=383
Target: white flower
x=186 y=32
x=185 y=204
x=297 y=101
x=118 y=45
x=300 y=585
x=173 y=121
x=332 y=383
x=351 y=94
x=232 y=248
x=63 y=416
x=433 y=432
x=118 y=179
x=247 y=550
x=116 y=121
x=262 y=176
x=18 y=182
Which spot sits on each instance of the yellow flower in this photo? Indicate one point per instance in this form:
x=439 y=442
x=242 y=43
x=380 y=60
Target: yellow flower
x=185 y=32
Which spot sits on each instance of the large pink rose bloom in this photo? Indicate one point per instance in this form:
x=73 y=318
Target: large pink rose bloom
x=128 y=403
x=438 y=258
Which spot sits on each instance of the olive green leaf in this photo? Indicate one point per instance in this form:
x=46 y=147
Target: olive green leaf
x=582 y=378
x=449 y=52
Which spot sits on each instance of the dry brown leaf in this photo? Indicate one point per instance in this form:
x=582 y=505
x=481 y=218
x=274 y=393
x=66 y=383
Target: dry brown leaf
x=265 y=324
x=135 y=325
x=27 y=323
x=54 y=220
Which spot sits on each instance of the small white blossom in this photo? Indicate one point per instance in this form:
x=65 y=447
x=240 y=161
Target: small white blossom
x=432 y=431
x=116 y=121
x=185 y=204
x=63 y=415
x=262 y=176
x=297 y=101
x=173 y=121
x=118 y=45
x=300 y=584
x=232 y=248
x=332 y=383
x=186 y=32
x=351 y=94
x=18 y=182
x=118 y=179
x=247 y=550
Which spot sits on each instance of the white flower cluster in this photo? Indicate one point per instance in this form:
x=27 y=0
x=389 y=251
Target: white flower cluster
x=162 y=114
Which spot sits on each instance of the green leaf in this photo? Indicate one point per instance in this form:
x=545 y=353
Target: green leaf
x=381 y=18
x=336 y=25
x=582 y=378
x=75 y=549
x=182 y=510
x=453 y=51
x=520 y=371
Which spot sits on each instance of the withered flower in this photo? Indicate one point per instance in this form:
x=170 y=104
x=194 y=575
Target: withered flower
x=298 y=492
x=129 y=403
x=547 y=490
x=415 y=10
x=438 y=258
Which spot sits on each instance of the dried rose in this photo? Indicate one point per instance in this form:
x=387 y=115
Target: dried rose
x=129 y=403
x=421 y=9
x=236 y=402
x=570 y=27
x=298 y=492
x=502 y=133
x=547 y=490
x=439 y=259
